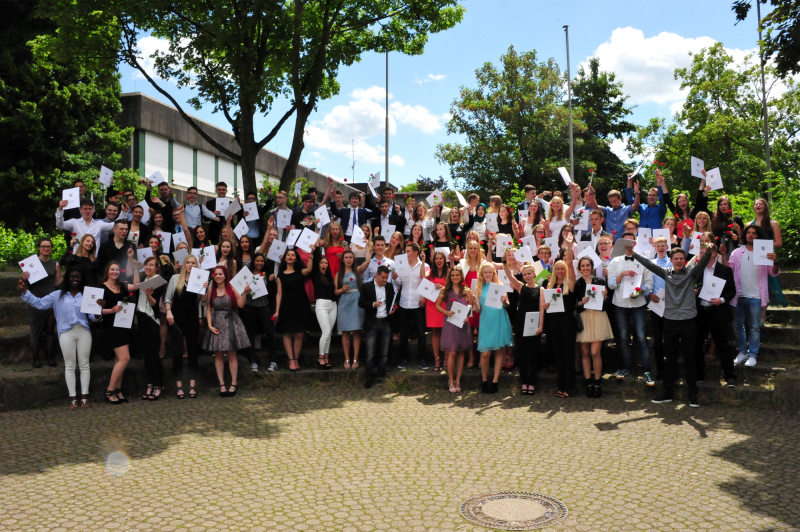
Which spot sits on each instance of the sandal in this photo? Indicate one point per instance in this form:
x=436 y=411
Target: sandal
x=452 y=388
x=192 y=393
x=73 y=403
x=85 y=401
x=148 y=393
x=180 y=393
x=355 y=365
x=458 y=386
x=156 y=396
x=346 y=364
x=561 y=395
x=122 y=399
x=112 y=393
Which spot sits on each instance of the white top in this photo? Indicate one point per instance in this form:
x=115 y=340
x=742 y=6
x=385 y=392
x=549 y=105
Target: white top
x=384 y=220
x=380 y=294
x=348 y=231
x=748 y=276
x=409 y=298
x=619 y=264
x=480 y=228
x=79 y=227
x=556 y=225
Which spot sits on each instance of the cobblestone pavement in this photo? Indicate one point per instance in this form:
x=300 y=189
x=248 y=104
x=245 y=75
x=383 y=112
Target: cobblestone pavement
x=332 y=457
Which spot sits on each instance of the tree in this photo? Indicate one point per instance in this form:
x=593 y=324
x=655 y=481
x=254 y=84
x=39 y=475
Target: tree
x=514 y=123
x=241 y=56
x=720 y=122
x=782 y=32
x=603 y=105
x=56 y=118
x=427 y=183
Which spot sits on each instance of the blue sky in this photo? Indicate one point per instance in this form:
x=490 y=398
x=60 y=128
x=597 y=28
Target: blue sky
x=643 y=42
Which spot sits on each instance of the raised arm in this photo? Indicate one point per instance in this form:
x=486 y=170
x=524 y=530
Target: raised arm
x=647 y=263
x=513 y=281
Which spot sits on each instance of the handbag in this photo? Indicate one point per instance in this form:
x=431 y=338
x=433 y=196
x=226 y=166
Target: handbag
x=578 y=321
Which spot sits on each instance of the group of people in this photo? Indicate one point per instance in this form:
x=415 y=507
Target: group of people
x=538 y=285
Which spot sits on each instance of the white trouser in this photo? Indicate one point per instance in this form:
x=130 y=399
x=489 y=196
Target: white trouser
x=76 y=345
x=326 y=316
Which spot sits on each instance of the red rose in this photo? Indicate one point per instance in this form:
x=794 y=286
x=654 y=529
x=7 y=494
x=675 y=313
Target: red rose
x=728 y=232
x=342 y=239
x=662 y=164
x=482 y=242
x=613 y=232
x=23 y=264
x=519 y=241
x=594 y=289
x=638 y=289
x=655 y=162
x=491 y=234
x=395 y=307
x=74 y=234
x=607 y=257
x=273 y=318
x=458 y=238
x=452 y=300
x=123 y=271
x=558 y=290
x=430 y=247
x=131 y=294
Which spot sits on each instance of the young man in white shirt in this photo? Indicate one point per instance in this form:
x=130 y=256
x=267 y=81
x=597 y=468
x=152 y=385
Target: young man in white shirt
x=369 y=269
x=411 y=309
x=85 y=224
x=631 y=309
x=193 y=211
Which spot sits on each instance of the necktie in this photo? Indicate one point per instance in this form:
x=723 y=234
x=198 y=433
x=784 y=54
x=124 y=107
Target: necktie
x=352 y=220
x=629 y=258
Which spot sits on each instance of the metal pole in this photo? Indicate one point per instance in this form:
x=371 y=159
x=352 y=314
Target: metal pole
x=569 y=95
x=386 y=169
x=764 y=103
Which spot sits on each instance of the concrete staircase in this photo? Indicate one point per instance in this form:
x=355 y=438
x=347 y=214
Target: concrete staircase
x=775 y=378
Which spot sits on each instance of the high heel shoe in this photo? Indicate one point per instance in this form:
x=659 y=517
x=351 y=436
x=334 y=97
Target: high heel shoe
x=118 y=391
x=321 y=363
x=327 y=364
x=223 y=392
x=112 y=393
x=494 y=387
x=180 y=393
x=154 y=396
x=295 y=370
x=148 y=392
x=73 y=403
x=232 y=390
x=485 y=387
x=85 y=401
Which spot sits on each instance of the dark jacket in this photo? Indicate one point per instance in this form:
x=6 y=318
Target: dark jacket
x=722 y=313
x=398 y=221
x=587 y=236
x=367 y=299
x=343 y=214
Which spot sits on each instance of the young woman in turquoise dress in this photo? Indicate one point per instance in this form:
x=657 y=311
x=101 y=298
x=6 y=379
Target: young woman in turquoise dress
x=494 y=333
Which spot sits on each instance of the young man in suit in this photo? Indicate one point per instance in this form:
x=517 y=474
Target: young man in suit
x=384 y=219
x=596 y=229
x=376 y=298
x=352 y=216
x=217 y=223
x=715 y=317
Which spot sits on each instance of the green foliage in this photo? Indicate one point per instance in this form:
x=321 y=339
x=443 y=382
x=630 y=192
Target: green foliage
x=16 y=244
x=782 y=28
x=56 y=118
x=411 y=187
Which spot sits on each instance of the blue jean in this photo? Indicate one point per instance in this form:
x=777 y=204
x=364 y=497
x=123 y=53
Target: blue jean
x=378 y=339
x=748 y=311
x=638 y=317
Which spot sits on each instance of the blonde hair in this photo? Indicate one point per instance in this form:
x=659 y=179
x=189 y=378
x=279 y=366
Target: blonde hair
x=554 y=277
x=705 y=215
x=400 y=247
x=90 y=254
x=494 y=204
x=660 y=239
x=633 y=221
x=328 y=240
x=182 y=276
x=480 y=257
x=480 y=283
x=551 y=213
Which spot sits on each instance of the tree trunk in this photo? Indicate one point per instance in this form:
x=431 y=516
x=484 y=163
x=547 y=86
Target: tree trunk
x=290 y=170
x=249 y=151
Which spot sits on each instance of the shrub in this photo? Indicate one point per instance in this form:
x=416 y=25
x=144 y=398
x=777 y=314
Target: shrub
x=16 y=245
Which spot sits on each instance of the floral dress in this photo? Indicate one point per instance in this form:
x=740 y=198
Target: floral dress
x=232 y=334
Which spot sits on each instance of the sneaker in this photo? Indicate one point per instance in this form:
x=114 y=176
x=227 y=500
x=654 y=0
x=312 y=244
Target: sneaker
x=730 y=383
x=740 y=359
x=622 y=374
x=424 y=366
x=273 y=366
x=694 y=402
x=648 y=379
x=254 y=367
x=402 y=365
x=663 y=397
x=751 y=362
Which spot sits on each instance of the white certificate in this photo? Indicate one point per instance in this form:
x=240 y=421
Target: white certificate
x=460 y=316
x=531 y=324
x=89 y=303
x=251 y=211
x=291 y=238
x=358 y=238
x=658 y=233
x=33 y=266
x=761 y=248
x=283 y=218
x=596 y=302
x=231 y=209
x=142 y=254
x=503 y=243
x=401 y=265
x=166 y=240
x=206 y=257
x=494 y=292
x=523 y=255
x=555 y=299
x=73 y=197
x=503 y=279
x=714 y=179
x=390 y=229
x=564 y=175
x=629 y=284
x=491 y=222
x=276 y=250
x=530 y=241
x=643 y=246
x=258 y=286
x=461 y=199
x=124 y=318
x=428 y=290
x=177 y=238
x=644 y=231
x=153 y=282
x=372 y=190
x=375 y=180
x=694 y=248
x=241 y=229
x=222 y=204
x=582 y=244
x=307 y=239
x=146 y=211
x=637 y=169
x=552 y=243
x=197 y=278
x=179 y=256
x=473 y=285
x=322 y=216
x=297 y=188
x=106 y=176
x=243 y=277
x=659 y=307
x=620 y=246
x=157 y=178
x=583 y=223
x=712 y=288
x=697 y=167
x=434 y=198
x=589 y=252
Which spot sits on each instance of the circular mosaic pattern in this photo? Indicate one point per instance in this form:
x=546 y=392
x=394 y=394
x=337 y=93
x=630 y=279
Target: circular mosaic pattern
x=511 y=510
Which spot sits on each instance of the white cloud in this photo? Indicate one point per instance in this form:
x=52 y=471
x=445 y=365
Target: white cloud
x=317 y=155
x=373 y=93
x=431 y=77
x=147 y=47
x=416 y=116
x=646 y=66
x=617 y=147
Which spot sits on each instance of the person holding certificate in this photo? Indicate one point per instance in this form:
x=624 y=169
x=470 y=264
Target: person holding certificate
x=73 y=329
x=411 y=311
x=528 y=347
x=752 y=294
x=434 y=319
x=181 y=305
x=42 y=321
x=257 y=317
x=325 y=307
x=456 y=340
x=590 y=293
x=148 y=333
x=560 y=326
x=494 y=333
x=292 y=309
x=772 y=231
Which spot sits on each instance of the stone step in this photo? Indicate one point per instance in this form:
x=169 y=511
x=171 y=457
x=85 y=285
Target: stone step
x=22 y=387
x=792 y=297
x=8 y=283
x=12 y=311
x=790 y=280
x=783 y=315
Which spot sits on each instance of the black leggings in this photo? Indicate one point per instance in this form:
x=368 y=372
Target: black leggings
x=561 y=341
x=185 y=329
x=149 y=336
x=527 y=358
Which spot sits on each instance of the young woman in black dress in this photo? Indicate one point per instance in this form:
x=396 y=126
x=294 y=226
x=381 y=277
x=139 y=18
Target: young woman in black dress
x=116 y=292
x=181 y=308
x=84 y=259
x=257 y=317
x=560 y=326
x=148 y=332
x=527 y=347
x=596 y=327
x=292 y=310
